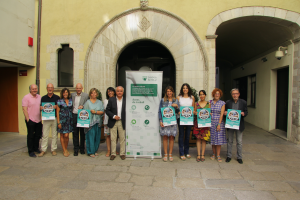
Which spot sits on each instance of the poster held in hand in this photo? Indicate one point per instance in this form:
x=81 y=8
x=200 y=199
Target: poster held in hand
x=203 y=117
x=233 y=119
x=168 y=116
x=48 y=112
x=83 y=118
x=186 y=115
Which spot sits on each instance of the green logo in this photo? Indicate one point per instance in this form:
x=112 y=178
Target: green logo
x=144 y=78
x=147 y=122
x=133 y=107
x=147 y=107
x=133 y=121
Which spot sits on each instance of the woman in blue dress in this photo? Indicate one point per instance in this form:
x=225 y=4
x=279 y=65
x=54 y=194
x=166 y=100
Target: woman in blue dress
x=64 y=118
x=168 y=132
x=217 y=130
x=93 y=133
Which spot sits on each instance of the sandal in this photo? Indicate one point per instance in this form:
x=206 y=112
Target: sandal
x=66 y=154
x=219 y=159
x=188 y=156
x=96 y=154
x=198 y=159
x=213 y=157
x=165 y=158
x=202 y=159
x=170 y=158
x=107 y=154
x=182 y=158
x=92 y=155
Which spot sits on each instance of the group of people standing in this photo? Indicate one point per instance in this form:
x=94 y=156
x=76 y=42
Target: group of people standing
x=215 y=135
x=112 y=115
x=67 y=106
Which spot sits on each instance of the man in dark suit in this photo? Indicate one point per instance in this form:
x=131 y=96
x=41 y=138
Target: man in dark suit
x=115 y=110
x=237 y=104
x=78 y=99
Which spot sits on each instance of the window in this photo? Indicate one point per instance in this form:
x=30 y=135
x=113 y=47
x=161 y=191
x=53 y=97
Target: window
x=247 y=88
x=65 y=66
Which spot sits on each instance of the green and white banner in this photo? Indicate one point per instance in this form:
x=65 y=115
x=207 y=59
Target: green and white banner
x=168 y=116
x=83 y=118
x=186 y=115
x=203 y=117
x=143 y=95
x=48 y=112
x=233 y=119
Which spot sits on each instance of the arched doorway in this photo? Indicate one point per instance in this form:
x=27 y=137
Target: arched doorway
x=146 y=55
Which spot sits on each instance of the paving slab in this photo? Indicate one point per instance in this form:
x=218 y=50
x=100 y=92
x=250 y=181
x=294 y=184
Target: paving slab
x=253 y=176
x=75 y=184
x=189 y=183
x=277 y=186
x=163 y=182
x=35 y=193
x=152 y=171
x=144 y=192
x=123 y=177
x=290 y=176
x=64 y=173
x=97 y=176
x=110 y=168
x=230 y=174
x=188 y=173
x=268 y=168
x=81 y=167
x=11 y=192
x=253 y=195
x=231 y=184
x=295 y=185
x=109 y=186
x=208 y=194
x=210 y=174
x=286 y=195
x=141 y=180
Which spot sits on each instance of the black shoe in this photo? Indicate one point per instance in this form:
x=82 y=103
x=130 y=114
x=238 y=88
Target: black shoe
x=37 y=151
x=228 y=159
x=75 y=153
x=82 y=152
x=32 y=154
x=240 y=161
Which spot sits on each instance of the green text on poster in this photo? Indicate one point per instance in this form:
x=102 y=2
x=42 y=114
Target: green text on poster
x=144 y=90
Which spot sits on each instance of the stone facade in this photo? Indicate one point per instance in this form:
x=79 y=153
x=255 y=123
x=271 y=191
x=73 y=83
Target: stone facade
x=154 y=24
x=295 y=137
x=53 y=48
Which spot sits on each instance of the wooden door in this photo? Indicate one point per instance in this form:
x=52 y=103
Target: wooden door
x=9 y=99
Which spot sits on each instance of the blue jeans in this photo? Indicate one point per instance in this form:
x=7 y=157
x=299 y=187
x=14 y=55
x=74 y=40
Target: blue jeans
x=184 y=138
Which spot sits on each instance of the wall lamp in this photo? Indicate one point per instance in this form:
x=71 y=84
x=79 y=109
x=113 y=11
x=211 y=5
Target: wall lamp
x=282 y=51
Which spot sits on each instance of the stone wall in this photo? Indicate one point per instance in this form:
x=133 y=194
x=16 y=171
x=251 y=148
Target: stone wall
x=295 y=136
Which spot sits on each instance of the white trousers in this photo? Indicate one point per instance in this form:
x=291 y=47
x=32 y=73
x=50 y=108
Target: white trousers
x=47 y=124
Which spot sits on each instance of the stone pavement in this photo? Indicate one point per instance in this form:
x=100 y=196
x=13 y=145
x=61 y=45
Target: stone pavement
x=270 y=171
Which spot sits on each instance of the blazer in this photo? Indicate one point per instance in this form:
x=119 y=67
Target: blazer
x=83 y=99
x=111 y=110
x=242 y=107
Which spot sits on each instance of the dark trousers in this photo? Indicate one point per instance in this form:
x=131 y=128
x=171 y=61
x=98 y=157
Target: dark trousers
x=76 y=132
x=34 y=134
x=184 y=138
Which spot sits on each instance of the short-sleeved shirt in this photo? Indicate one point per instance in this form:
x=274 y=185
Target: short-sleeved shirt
x=47 y=99
x=33 y=107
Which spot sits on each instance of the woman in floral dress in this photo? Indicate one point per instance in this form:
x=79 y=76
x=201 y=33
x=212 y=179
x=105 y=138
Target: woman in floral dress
x=202 y=134
x=64 y=118
x=168 y=132
x=217 y=130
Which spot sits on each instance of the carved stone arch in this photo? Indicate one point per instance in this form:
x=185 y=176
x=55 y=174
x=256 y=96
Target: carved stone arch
x=152 y=24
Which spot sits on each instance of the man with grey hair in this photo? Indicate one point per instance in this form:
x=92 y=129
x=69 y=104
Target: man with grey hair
x=237 y=104
x=31 y=109
x=50 y=97
x=115 y=110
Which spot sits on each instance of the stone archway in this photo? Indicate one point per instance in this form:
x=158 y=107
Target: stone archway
x=279 y=16
x=154 y=24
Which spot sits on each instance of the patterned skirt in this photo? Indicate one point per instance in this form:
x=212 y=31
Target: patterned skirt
x=168 y=130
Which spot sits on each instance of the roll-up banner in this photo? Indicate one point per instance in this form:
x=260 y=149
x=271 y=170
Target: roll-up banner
x=143 y=95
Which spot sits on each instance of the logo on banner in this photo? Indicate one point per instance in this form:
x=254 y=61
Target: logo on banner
x=147 y=107
x=146 y=123
x=84 y=115
x=233 y=115
x=48 y=108
x=168 y=112
x=133 y=121
x=186 y=112
x=133 y=107
x=144 y=78
x=203 y=114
